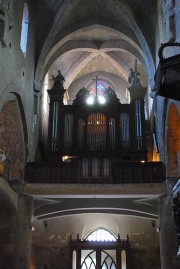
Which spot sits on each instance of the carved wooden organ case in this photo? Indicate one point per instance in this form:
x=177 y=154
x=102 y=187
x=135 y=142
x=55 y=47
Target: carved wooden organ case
x=97 y=135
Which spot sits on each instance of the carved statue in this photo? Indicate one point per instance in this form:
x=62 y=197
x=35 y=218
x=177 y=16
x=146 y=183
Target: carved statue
x=82 y=92
x=108 y=91
x=133 y=76
x=59 y=79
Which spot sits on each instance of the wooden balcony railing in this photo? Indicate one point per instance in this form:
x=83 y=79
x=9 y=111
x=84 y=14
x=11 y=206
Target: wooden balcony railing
x=70 y=173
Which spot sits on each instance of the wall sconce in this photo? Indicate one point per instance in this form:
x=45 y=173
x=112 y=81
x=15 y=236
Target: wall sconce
x=167 y=76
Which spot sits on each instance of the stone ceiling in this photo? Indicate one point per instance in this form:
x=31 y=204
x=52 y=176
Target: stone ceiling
x=85 y=39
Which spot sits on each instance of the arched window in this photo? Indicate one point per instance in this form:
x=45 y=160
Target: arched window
x=24 y=29
x=101 y=235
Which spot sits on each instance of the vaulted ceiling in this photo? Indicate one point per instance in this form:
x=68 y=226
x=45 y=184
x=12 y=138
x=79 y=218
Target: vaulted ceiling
x=84 y=39
x=100 y=38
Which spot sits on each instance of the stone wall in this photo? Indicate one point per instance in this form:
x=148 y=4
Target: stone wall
x=50 y=257
x=12 y=140
x=17 y=69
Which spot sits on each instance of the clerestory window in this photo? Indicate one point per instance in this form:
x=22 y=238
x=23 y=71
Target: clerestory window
x=24 y=29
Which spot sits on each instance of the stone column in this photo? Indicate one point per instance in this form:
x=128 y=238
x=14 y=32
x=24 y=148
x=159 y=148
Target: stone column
x=168 y=7
x=168 y=237
x=24 y=231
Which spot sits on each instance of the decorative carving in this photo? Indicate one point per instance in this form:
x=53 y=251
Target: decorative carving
x=133 y=76
x=83 y=92
x=59 y=79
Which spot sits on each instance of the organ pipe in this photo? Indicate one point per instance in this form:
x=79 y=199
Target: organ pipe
x=138 y=124
x=68 y=131
x=54 y=135
x=124 y=123
x=96 y=131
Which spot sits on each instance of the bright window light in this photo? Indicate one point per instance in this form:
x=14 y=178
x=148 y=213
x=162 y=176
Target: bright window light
x=90 y=100
x=24 y=29
x=101 y=99
x=101 y=235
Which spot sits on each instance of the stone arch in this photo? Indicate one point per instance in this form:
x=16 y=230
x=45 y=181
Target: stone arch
x=12 y=140
x=173 y=141
x=123 y=43
x=74 y=70
x=53 y=37
x=86 y=80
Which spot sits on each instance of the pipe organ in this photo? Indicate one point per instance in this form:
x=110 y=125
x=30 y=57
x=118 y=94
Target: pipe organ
x=97 y=135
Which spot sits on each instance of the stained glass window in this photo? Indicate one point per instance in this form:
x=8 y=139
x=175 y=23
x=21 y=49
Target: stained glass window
x=96 y=90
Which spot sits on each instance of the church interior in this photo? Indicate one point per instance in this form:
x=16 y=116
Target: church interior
x=90 y=134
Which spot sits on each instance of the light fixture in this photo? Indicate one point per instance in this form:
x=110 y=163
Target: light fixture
x=65 y=158
x=90 y=100
x=101 y=99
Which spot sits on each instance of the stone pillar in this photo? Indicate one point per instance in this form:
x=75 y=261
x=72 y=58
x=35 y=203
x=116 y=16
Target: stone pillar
x=168 y=237
x=24 y=232
x=168 y=7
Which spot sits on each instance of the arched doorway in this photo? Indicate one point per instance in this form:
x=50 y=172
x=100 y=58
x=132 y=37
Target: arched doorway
x=100 y=250
x=173 y=141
